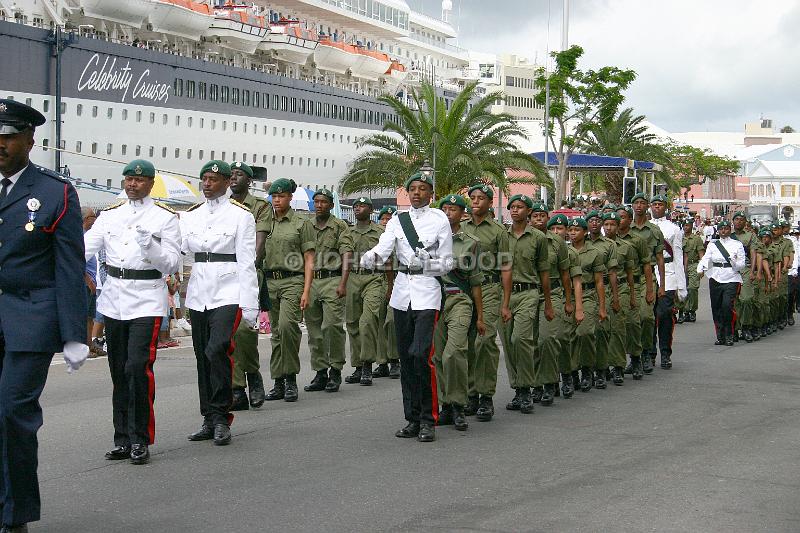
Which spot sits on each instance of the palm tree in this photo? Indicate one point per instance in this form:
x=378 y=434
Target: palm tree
x=471 y=145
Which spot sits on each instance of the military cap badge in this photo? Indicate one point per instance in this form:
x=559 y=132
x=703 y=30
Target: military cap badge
x=138 y=170
x=214 y=168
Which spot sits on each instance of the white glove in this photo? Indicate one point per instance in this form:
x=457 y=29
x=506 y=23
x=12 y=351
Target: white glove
x=75 y=353
x=368 y=261
x=682 y=294
x=250 y=316
x=423 y=254
x=415 y=263
x=143 y=237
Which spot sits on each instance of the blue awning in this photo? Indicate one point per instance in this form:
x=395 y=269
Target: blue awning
x=596 y=162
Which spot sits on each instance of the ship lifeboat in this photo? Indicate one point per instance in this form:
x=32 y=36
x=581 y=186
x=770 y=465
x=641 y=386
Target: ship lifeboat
x=287 y=41
x=370 y=64
x=395 y=75
x=130 y=13
x=180 y=17
x=335 y=56
x=238 y=29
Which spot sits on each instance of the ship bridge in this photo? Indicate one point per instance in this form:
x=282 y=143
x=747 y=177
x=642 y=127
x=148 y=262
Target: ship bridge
x=382 y=18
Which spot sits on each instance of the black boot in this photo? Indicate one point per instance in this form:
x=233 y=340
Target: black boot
x=746 y=335
x=756 y=333
x=548 y=394
x=366 y=374
x=692 y=317
x=729 y=340
x=636 y=366
x=790 y=320
x=567 y=388
x=666 y=362
x=278 y=390
x=536 y=394
x=445 y=415
x=647 y=363
x=291 y=389
x=525 y=401
x=381 y=371
x=472 y=406
x=355 y=377
x=240 y=402
x=394 y=369
x=513 y=405
x=255 y=384
x=485 y=410
x=334 y=380
x=586 y=379
x=681 y=317
x=629 y=367
x=318 y=383
x=459 y=418
x=617 y=376
x=600 y=379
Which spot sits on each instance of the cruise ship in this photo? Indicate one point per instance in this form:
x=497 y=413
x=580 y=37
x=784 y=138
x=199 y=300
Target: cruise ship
x=288 y=87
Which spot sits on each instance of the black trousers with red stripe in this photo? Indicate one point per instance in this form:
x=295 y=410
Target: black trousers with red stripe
x=212 y=335
x=414 y=331
x=664 y=310
x=723 y=298
x=131 y=354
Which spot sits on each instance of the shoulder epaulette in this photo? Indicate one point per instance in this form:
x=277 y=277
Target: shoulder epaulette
x=239 y=204
x=114 y=206
x=166 y=207
x=52 y=174
x=195 y=206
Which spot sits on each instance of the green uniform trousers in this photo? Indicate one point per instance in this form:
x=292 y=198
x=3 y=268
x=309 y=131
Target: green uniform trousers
x=483 y=354
x=518 y=338
x=618 y=323
x=585 y=339
x=245 y=355
x=548 y=345
x=450 y=349
x=388 y=338
x=567 y=360
x=284 y=317
x=603 y=335
x=365 y=311
x=324 y=320
x=633 y=325
x=647 y=319
x=692 y=288
x=744 y=302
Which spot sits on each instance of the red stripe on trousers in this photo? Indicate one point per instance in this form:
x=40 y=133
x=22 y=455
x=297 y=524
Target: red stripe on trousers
x=151 y=381
x=231 y=348
x=434 y=390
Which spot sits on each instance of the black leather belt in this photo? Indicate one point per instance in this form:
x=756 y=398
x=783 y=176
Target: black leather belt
x=493 y=277
x=521 y=287
x=322 y=274
x=366 y=271
x=128 y=273
x=412 y=271
x=281 y=274
x=211 y=257
x=722 y=265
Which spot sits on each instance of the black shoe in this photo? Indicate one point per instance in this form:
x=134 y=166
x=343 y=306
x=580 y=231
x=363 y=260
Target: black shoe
x=206 y=432
x=459 y=418
x=97 y=347
x=548 y=393
x=140 y=454
x=334 y=380
x=485 y=410
x=525 y=401
x=666 y=362
x=567 y=388
x=118 y=453
x=513 y=405
x=426 y=433
x=600 y=379
x=222 y=435
x=719 y=342
x=756 y=333
x=536 y=394
x=446 y=415
x=781 y=325
x=366 y=374
x=355 y=377
x=318 y=383
x=681 y=318
x=636 y=364
x=617 y=376
x=735 y=336
x=729 y=341
x=471 y=409
x=381 y=371
x=394 y=369
x=647 y=363
x=746 y=335
x=586 y=379
x=408 y=432
x=277 y=391
x=240 y=402
x=255 y=384
x=790 y=320
x=628 y=369
x=290 y=395
x=692 y=317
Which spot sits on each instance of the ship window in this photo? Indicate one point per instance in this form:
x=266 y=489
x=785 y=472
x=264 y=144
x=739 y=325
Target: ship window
x=244 y=127
x=276 y=102
x=202 y=122
x=283 y=160
x=348 y=139
x=177 y=120
x=333 y=163
x=108 y=183
x=291 y=133
x=327 y=110
x=124 y=149
x=265 y=101
x=188 y=153
x=284 y=103
x=300 y=161
x=383 y=118
x=302 y=108
x=349 y=113
x=152 y=118
x=45 y=105
x=79 y=109
x=308 y=161
x=63 y=108
x=370 y=117
x=318 y=106
x=189 y=121
x=246 y=98
x=301 y=134
x=317 y=135
x=235 y=98
x=265 y=129
x=200 y=154
x=325 y=163
x=109 y=148
x=94 y=148
x=274 y=131
x=356 y=115
x=164 y=119
x=78 y=146
x=283 y=132
x=341 y=139
x=264 y=160
x=164 y=152
x=94 y=111
x=274 y=158
x=317 y=162
x=226 y=94
x=152 y=151
x=291 y=161
x=326 y=136
x=138 y=150
x=224 y=125
x=212 y=155
x=62 y=144
x=190 y=89
x=178 y=87
x=309 y=134
x=201 y=89
x=177 y=153
x=293 y=105
x=124 y=114
x=214 y=92
x=256 y=99
x=341 y=112
x=310 y=107
x=254 y=158
x=223 y=156
x=234 y=156
x=235 y=125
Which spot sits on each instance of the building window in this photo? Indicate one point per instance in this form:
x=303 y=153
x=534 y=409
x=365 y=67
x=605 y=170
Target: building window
x=124 y=114
x=164 y=152
x=787 y=191
x=200 y=155
x=256 y=99
x=124 y=149
x=189 y=121
x=246 y=98
x=109 y=149
x=284 y=103
x=152 y=151
x=78 y=146
x=138 y=150
x=276 y=102
x=138 y=116
x=164 y=119
x=214 y=92
x=265 y=100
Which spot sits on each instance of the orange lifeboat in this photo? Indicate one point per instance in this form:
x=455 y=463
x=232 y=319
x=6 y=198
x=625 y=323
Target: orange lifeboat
x=180 y=17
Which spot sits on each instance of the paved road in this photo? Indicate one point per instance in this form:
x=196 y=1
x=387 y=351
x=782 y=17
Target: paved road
x=711 y=445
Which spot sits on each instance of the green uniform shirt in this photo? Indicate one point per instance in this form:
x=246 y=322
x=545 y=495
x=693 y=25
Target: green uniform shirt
x=591 y=258
x=529 y=255
x=494 y=243
x=785 y=248
x=627 y=257
x=574 y=263
x=693 y=248
x=609 y=252
x=292 y=237
x=653 y=238
x=748 y=240
x=466 y=251
x=640 y=246
x=262 y=212
x=365 y=239
x=332 y=240
x=557 y=255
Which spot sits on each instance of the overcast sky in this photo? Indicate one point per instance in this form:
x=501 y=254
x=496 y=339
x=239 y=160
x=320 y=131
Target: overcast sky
x=701 y=64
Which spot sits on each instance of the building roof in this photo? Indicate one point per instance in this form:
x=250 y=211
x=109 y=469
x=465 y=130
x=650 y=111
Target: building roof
x=787 y=169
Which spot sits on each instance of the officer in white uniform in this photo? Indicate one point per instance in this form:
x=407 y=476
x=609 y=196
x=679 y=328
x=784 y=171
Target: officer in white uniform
x=416 y=300
x=674 y=278
x=141 y=239
x=723 y=279
x=220 y=233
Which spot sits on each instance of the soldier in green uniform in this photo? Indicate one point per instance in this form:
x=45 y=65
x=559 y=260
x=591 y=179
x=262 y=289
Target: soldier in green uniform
x=573 y=316
x=654 y=240
x=594 y=300
x=462 y=310
x=366 y=291
x=246 y=369
x=608 y=250
x=288 y=271
x=628 y=264
x=530 y=270
x=387 y=359
x=766 y=293
x=495 y=262
x=645 y=285
x=325 y=314
x=551 y=332
x=692 y=252
x=744 y=307
x=786 y=255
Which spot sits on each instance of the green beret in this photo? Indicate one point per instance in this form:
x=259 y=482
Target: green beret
x=539 y=207
x=217 y=166
x=628 y=209
x=387 y=209
x=592 y=214
x=610 y=206
x=238 y=165
x=327 y=193
x=659 y=198
x=558 y=220
x=363 y=200
x=765 y=233
x=453 y=199
x=525 y=199
x=139 y=167
x=282 y=185
x=639 y=196
x=785 y=223
x=723 y=224
x=578 y=222
x=419 y=176
x=739 y=214
x=689 y=222
x=774 y=225
x=611 y=216
x=485 y=189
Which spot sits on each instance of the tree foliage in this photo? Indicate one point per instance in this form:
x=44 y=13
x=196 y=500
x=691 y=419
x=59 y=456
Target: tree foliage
x=472 y=145
x=690 y=165
x=787 y=129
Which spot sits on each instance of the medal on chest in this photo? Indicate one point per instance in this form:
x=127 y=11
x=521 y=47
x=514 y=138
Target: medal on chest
x=33 y=206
